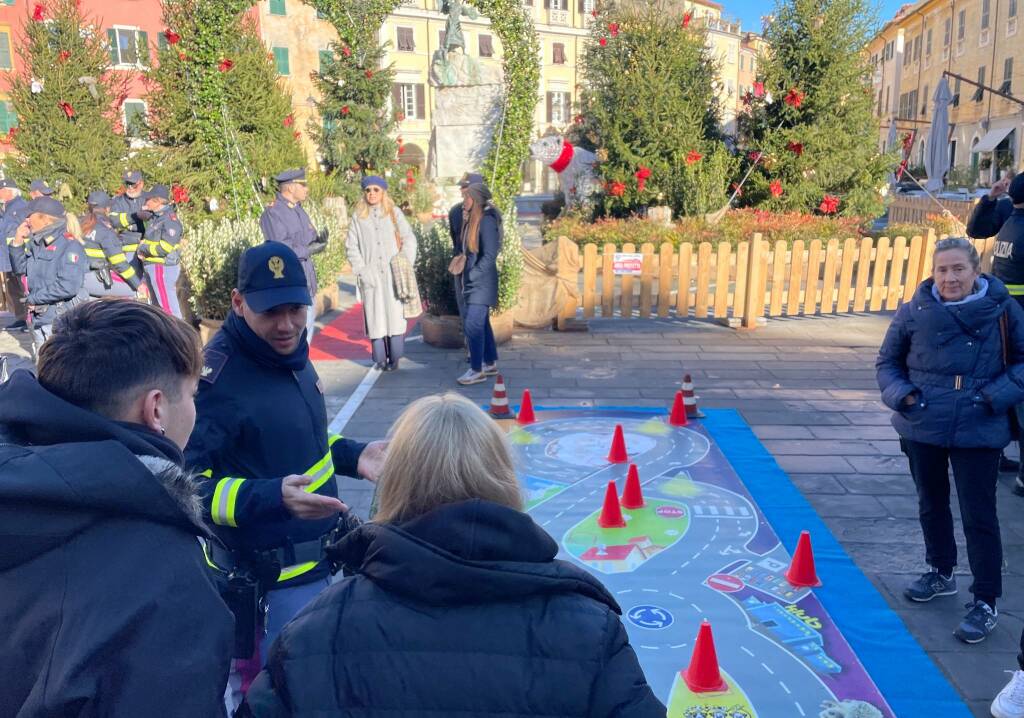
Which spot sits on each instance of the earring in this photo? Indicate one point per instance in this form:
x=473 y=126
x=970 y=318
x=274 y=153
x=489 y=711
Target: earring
x=163 y=432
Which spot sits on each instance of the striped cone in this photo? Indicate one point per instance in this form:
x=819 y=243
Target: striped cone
x=689 y=400
x=499 y=400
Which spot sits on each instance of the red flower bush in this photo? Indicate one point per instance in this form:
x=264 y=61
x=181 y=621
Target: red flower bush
x=179 y=194
x=616 y=189
x=829 y=204
x=642 y=174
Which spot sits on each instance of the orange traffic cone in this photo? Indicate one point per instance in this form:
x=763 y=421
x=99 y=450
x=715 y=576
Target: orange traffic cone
x=611 y=513
x=802 y=573
x=632 y=495
x=689 y=400
x=702 y=675
x=499 y=400
x=526 y=409
x=618 y=454
x=678 y=415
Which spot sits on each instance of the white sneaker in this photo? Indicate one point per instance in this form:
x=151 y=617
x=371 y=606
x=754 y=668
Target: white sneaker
x=1010 y=701
x=490 y=369
x=471 y=377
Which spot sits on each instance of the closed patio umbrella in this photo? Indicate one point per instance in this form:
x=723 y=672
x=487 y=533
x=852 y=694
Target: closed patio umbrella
x=936 y=156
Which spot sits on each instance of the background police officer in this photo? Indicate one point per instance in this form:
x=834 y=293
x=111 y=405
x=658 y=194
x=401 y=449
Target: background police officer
x=125 y=207
x=38 y=188
x=261 y=440
x=15 y=208
x=158 y=250
x=284 y=220
x=111 y=273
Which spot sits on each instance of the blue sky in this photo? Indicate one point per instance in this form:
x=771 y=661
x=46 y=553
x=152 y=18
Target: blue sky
x=749 y=12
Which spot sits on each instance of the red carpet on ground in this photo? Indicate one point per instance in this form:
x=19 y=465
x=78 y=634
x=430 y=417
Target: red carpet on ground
x=344 y=338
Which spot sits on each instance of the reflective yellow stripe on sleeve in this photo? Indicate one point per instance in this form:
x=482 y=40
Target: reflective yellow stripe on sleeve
x=122 y=217
x=166 y=246
x=222 y=508
x=1015 y=290
x=297 y=570
x=320 y=472
x=115 y=258
x=94 y=252
x=128 y=273
x=133 y=248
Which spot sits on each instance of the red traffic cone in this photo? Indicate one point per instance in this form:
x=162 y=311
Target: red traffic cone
x=499 y=400
x=632 y=495
x=618 y=454
x=802 y=573
x=690 y=400
x=611 y=513
x=526 y=409
x=702 y=675
x=678 y=415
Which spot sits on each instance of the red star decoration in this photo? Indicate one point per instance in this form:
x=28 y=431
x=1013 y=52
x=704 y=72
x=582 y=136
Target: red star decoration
x=39 y=12
x=603 y=41
x=775 y=187
x=179 y=194
x=225 y=65
x=346 y=51
x=794 y=98
x=345 y=110
x=693 y=156
x=173 y=38
x=369 y=74
x=64 y=55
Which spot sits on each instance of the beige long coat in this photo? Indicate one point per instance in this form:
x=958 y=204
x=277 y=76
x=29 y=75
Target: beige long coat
x=370 y=245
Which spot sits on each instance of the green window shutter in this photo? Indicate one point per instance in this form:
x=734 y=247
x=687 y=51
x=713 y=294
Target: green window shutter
x=277 y=7
x=143 y=48
x=5 y=51
x=161 y=41
x=325 y=59
x=281 y=60
x=8 y=118
x=112 y=39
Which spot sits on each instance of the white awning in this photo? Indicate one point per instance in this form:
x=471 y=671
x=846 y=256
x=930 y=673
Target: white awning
x=992 y=139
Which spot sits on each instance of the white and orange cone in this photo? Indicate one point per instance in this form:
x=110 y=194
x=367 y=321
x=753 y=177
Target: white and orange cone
x=690 y=400
x=499 y=400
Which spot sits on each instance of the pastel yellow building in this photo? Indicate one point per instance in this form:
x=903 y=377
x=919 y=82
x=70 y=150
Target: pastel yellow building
x=974 y=40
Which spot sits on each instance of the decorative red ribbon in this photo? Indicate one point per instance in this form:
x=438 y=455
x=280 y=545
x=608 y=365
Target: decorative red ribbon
x=563 y=159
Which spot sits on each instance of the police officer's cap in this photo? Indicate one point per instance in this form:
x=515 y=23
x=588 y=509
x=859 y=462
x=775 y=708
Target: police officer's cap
x=296 y=175
x=1016 y=189
x=98 y=198
x=46 y=205
x=270 y=275
x=8 y=184
x=41 y=187
x=132 y=177
x=470 y=178
x=159 y=190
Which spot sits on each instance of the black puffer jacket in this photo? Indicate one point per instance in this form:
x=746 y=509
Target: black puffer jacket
x=462 y=612
x=107 y=607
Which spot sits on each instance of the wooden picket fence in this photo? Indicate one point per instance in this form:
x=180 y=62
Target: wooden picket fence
x=755 y=279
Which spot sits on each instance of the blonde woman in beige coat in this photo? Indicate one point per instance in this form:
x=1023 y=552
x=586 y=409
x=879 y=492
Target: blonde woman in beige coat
x=377 y=232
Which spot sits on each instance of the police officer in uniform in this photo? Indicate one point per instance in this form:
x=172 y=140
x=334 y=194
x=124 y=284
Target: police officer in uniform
x=125 y=207
x=159 y=248
x=261 y=442
x=284 y=220
x=53 y=261
x=111 y=273
x=15 y=208
x=38 y=188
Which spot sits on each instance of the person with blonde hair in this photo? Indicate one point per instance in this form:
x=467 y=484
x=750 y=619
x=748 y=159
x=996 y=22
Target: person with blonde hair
x=377 y=234
x=47 y=249
x=456 y=604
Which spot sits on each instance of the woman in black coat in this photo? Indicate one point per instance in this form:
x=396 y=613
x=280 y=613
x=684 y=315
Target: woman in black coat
x=458 y=605
x=951 y=367
x=480 y=240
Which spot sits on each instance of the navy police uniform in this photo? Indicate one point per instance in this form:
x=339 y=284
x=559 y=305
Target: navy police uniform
x=160 y=254
x=124 y=210
x=14 y=213
x=111 y=273
x=287 y=222
x=1008 y=252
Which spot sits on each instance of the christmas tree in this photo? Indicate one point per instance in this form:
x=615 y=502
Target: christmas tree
x=650 y=112
x=355 y=134
x=221 y=123
x=67 y=102
x=809 y=132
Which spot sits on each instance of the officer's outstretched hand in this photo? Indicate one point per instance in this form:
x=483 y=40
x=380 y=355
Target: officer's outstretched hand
x=305 y=505
x=371 y=460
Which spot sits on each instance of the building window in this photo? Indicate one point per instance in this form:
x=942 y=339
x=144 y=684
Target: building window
x=1007 y=76
x=961 y=25
x=947 y=34
x=128 y=46
x=277 y=7
x=556 y=4
x=887 y=98
x=409 y=98
x=928 y=43
x=281 y=60
x=8 y=118
x=955 y=100
x=406 y=43
x=917 y=48
x=558 y=107
x=5 y=50
x=980 y=92
x=485 y=44
x=326 y=56
x=984 y=13
x=587 y=6
x=924 y=103
x=134 y=118
x=1011 y=9
x=557 y=53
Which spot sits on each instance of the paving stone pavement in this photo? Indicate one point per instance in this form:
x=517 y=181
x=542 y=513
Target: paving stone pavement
x=807 y=387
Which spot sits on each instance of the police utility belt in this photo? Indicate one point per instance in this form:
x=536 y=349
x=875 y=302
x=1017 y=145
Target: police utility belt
x=285 y=556
x=57 y=307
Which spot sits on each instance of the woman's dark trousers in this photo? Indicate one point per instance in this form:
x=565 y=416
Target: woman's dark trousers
x=477 y=325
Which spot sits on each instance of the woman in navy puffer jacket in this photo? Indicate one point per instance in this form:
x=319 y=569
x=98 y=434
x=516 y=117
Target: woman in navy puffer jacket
x=951 y=368
x=458 y=606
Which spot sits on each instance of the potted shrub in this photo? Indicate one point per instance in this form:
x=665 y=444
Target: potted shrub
x=441 y=324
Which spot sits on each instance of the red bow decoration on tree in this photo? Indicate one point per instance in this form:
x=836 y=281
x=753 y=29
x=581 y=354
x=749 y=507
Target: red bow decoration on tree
x=758 y=89
x=796 y=148
x=345 y=110
x=346 y=51
x=593 y=13
x=173 y=38
x=687 y=18
x=613 y=29
x=369 y=74
x=68 y=109
x=693 y=156
x=64 y=55
x=794 y=98
x=179 y=194
x=603 y=41
x=775 y=187
x=225 y=65
x=616 y=189
x=829 y=204
x=288 y=121
x=641 y=177
x=39 y=12
x=410 y=178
